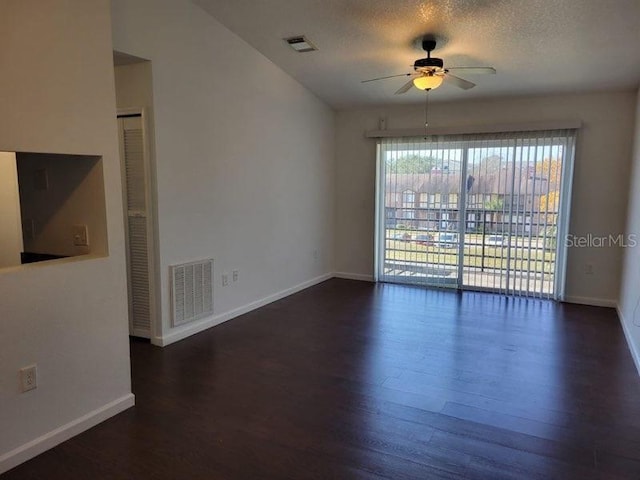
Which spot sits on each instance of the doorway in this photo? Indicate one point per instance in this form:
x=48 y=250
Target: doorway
x=134 y=96
x=477 y=212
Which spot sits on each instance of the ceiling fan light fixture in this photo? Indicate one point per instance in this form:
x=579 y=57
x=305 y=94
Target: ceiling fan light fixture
x=427 y=82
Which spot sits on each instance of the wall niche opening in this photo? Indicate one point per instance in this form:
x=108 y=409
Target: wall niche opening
x=52 y=206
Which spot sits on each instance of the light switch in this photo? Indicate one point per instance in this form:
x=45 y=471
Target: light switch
x=80 y=236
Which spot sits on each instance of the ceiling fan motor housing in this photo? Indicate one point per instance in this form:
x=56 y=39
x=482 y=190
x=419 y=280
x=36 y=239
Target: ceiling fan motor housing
x=429 y=62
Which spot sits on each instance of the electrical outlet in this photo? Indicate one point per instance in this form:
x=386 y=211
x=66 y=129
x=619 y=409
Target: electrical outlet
x=234 y=275
x=225 y=279
x=80 y=235
x=588 y=269
x=28 y=378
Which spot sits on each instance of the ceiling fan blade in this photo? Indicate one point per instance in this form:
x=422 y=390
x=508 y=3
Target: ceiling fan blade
x=473 y=70
x=458 y=82
x=384 y=78
x=405 y=88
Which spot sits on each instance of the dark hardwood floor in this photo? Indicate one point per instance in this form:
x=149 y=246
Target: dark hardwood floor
x=352 y=380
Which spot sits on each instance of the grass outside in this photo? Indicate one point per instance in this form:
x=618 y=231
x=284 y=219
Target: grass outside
x=525 y=254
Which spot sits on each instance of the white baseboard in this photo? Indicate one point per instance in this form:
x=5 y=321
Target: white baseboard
x=633 y=348
x=49 y=440
x=208 y=322
x=594 y=302
x=354 y=276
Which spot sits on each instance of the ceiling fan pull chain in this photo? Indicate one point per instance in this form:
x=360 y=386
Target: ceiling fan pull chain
x=426 y=112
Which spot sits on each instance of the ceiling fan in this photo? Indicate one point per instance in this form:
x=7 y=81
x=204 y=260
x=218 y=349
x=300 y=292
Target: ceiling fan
x=429 y=73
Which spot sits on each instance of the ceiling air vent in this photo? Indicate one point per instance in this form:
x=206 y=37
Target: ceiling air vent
x=300 y=44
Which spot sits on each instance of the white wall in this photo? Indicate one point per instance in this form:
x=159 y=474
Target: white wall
x=10 y=224
x=244 y=155
x=599 y=189
x=629 y=304
x=69 y=316
x=134 y=85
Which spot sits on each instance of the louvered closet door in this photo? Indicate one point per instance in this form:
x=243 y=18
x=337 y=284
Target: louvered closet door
x=136 y=197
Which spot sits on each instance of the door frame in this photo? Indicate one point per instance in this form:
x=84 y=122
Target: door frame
x=462 y=215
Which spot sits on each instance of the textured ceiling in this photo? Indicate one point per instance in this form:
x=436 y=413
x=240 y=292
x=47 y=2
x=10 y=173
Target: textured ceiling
x=537 y=46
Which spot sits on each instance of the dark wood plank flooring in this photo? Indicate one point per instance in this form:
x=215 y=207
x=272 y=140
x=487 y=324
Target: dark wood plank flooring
x=354 y=380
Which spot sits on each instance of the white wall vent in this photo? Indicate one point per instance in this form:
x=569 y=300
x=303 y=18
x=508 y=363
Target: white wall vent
x=191 y=291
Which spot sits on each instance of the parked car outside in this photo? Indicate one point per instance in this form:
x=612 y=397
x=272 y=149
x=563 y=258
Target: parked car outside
x=448 y=240
x=403 y=237
x=424 y=239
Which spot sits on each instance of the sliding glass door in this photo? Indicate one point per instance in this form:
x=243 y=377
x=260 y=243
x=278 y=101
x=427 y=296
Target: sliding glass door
x=421 y=226
x=481 y=212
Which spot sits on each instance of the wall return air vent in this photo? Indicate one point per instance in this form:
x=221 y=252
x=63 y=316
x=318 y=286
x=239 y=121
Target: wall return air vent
x=191 y=291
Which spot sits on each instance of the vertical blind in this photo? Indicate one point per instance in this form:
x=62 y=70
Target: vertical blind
x=478 y=211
